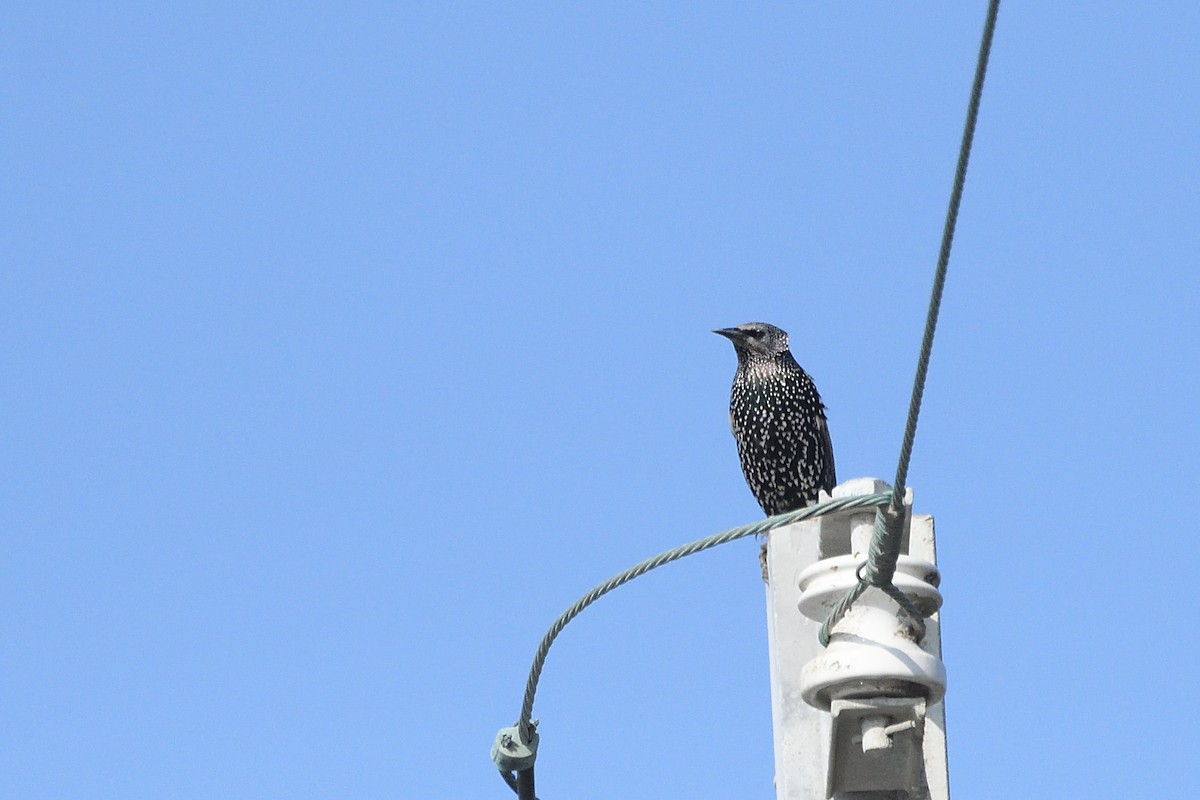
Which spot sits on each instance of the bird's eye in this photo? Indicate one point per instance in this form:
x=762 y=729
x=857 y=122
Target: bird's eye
x=756 y=334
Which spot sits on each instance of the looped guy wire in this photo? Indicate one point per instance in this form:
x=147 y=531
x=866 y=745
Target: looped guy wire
x=524 y=778
x=770 y=523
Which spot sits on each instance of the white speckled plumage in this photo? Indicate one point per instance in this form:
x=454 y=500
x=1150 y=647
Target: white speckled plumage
x=778 y=421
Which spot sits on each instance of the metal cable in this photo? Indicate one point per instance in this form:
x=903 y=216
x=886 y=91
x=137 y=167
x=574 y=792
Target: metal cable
x=943 y=262
x=884 y=552
x=770 y=523
x=522 y=782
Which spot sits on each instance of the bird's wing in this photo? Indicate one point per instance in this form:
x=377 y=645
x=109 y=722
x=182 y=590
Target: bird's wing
x=829 y=478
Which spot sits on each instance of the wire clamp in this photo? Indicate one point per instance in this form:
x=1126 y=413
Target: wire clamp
x=511 y=752
x=876 y=746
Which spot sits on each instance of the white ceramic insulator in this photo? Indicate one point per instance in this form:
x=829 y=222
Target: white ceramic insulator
x=871 y=648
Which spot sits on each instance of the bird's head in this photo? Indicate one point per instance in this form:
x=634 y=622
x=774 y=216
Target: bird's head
x=756 y=340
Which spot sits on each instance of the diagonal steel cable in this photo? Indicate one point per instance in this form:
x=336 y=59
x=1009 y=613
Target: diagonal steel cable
x=884 y=552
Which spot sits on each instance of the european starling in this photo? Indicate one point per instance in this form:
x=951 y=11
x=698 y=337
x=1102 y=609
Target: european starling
x=778 y=421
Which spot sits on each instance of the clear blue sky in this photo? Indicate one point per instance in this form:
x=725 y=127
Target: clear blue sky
x=343 y=347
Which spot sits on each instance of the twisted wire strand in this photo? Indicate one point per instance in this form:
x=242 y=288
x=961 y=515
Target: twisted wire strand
x=770 y=523
x=510 y=778
x=943 y=262
x=514 y=783
x=915 y=618
x=840 y=610
x=521 y=783
x=884 y=552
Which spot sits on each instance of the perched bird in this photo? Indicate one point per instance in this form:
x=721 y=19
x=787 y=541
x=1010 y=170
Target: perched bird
x=778 y=421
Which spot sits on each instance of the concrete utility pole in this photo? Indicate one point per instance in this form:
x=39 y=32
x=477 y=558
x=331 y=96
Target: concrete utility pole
x=863 y=718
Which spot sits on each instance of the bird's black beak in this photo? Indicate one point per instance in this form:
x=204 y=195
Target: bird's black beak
x=733 y=334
